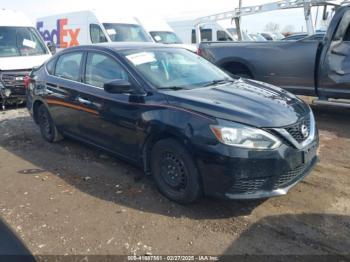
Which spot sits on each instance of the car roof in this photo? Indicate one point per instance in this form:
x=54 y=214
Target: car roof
x=120 y=46
x=131 y=45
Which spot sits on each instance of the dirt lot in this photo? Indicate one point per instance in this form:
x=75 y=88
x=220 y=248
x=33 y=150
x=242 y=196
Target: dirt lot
x=67 y=198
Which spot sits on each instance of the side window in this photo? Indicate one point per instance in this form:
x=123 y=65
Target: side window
x=68 y=66
x=222 y=36
x=101 y=69
x=347 y=34
x=50 y=66
x=96 y=34
x=343 y=30
x=206 y=35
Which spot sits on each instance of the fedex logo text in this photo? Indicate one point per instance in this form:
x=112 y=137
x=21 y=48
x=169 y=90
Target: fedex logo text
x=61 y=35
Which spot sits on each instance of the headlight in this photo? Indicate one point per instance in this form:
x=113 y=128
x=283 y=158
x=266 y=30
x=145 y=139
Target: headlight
x=246 y=137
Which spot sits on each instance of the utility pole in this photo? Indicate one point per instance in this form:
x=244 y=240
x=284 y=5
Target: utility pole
x=308 y=17
x=238 y=22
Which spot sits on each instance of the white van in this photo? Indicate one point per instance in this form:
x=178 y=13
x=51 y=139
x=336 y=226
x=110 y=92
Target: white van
x=89 y=27
x=185 y=29
x=161 y=32
x=21 y=49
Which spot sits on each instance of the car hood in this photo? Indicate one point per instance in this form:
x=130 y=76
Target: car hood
x=22 y=62
x=245 y=101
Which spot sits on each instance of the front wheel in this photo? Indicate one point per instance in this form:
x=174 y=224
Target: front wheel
x=47 y=127
x=175 y=172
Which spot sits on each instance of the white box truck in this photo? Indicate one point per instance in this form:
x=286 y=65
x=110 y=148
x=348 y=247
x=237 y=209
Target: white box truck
x=161 y=32
x=89 y=27
x=21 y=49
x=186 y=30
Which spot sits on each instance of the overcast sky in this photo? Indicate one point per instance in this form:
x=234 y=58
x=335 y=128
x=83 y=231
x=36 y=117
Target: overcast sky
x=160 y=8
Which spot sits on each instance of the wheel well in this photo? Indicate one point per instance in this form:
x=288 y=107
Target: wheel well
x=237 y=68
x=148 y=145
x=151 y=141
x=36 y=106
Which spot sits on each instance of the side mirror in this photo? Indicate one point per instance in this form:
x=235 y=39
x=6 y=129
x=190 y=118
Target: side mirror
x=51 y=47
x=118 y=86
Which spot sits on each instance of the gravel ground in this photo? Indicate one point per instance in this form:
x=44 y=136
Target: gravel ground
x=68 y=198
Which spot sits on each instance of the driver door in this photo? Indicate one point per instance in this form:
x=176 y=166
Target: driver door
x=111 y=120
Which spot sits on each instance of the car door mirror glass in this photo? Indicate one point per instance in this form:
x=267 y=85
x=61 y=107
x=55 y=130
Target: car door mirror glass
x=118 y=86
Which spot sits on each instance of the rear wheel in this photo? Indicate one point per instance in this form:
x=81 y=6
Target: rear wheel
x=47 y=127
x=174 y=172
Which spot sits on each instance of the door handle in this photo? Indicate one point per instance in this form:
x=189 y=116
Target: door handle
x=84 y=101
x=51 y=85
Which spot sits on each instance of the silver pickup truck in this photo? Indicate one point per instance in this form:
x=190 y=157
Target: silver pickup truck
x=305 y=67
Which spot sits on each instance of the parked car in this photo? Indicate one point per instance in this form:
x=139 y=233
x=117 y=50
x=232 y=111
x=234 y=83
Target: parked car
x=90 y=27
x=161 y=32
x=304 y=36
x=315 y=68
x=267 y=36
x=180 y=118
x=272 y=36
x=257 y=37
x=21 y=49
x=245 y=35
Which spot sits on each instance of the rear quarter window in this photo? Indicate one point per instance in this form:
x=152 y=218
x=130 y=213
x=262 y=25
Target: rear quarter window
x=50 y=66
x=68 y=66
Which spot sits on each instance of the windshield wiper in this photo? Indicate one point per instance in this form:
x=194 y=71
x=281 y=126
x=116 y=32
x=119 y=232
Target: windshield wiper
x=219 y=82
x=173 y=88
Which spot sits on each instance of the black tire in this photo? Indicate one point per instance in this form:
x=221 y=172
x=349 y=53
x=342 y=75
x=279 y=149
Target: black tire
x=175 y=172
x=47 y=127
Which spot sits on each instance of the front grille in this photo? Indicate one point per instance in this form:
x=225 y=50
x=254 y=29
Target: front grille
x=247 y=185
x=287 y=178
x=253 y=185
x=296 y=130
x=15 y=81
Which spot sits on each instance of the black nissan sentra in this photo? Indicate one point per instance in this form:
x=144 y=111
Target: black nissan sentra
x=194 y=128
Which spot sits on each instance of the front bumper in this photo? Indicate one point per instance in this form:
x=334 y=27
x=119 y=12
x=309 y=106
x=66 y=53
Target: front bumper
x=236 y=173
x=260 y=193
x=12 y=86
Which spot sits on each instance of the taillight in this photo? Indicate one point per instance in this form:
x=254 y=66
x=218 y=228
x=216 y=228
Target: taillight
x=199 y=51
x=27 y=80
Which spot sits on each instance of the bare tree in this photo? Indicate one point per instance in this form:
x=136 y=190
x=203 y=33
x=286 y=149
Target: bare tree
x=272 y=27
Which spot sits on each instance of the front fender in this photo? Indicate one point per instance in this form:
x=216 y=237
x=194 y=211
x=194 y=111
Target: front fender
x=187 y=127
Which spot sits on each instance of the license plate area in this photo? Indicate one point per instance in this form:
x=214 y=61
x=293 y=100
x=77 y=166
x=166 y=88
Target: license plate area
x=309 y=153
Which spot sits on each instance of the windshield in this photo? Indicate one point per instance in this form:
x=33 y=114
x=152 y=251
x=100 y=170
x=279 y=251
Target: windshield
x=20 y=41
x=165 y=37
x=126 y=33
x=175 y=68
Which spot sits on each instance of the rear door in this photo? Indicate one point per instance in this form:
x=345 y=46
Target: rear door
x=334 y=73
x=62 y=87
